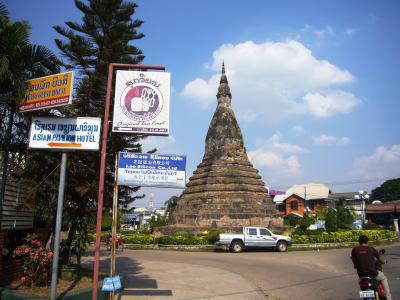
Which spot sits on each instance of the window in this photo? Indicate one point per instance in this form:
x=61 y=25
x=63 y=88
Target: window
x=294 y=205
x=264 y=231
x=251 y=231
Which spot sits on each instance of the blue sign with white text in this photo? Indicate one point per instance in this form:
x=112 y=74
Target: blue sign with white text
x=111 y=284
x=139 y=169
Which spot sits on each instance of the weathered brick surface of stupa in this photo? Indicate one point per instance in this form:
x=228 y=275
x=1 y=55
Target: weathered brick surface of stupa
x=225 y=190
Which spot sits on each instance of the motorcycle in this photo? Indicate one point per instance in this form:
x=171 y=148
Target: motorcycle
x=370 y=288
x=118 y=243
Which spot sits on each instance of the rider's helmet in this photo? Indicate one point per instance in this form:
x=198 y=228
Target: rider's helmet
x=363 y=239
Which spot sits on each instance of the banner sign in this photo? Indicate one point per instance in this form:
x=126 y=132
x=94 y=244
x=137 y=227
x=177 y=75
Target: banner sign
x=47 y=92
x=141 y=103
x=65 y=133
x=138 y=169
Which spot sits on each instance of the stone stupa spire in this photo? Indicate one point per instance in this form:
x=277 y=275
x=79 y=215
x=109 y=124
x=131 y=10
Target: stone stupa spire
x=224 y=95
x=225 y=190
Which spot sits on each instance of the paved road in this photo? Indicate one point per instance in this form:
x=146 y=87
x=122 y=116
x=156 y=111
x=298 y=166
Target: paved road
x=326 y=274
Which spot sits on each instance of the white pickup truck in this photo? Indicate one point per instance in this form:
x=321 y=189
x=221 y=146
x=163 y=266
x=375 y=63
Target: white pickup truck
x=254 y=237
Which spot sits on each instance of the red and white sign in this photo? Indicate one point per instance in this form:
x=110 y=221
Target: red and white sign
x=141 y=102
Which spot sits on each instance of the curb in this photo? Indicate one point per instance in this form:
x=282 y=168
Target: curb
x=213 y=247
x=338 y=245
x=169 y=247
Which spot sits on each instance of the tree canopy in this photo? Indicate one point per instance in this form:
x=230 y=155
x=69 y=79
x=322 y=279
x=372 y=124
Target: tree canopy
x=19 y=61
x=104 y=35
x=388 y=191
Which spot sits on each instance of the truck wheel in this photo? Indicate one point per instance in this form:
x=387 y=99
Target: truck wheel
x=237 y=246
x=281 y=246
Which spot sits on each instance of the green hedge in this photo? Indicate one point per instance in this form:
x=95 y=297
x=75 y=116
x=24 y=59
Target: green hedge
x=182 y=238
x=307 y=237
x=92 y=237
x=179 y=238
x=341 y=236
x=143 y=239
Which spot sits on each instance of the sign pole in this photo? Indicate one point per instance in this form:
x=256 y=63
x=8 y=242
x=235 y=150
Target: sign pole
x=103 y=164
x=114 y=223
x=60 y=201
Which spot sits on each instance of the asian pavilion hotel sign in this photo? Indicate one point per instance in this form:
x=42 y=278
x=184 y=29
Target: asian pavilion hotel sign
x=80 y=133
x=141 y=102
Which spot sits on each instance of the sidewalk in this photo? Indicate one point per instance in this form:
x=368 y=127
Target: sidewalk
x=155 y=280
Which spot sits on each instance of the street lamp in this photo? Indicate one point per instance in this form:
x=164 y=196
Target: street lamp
x=362 y=195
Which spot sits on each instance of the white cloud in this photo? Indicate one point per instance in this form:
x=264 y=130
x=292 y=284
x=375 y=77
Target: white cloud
x=299 y=129
x=279 y=158
x=270 y=80
x=164 y=144
x=281 y=166
x=204 y=91
x=322 y=106
x=322 y=33
x=349 y=31
x=384 y=162
x=324 y=139
x=274 y=144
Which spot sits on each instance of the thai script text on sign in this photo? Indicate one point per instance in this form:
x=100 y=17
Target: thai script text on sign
x=65 y=133
x=48 y=92
x=138 y=169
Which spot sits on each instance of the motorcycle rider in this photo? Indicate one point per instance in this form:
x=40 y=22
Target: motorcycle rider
x=364 y=260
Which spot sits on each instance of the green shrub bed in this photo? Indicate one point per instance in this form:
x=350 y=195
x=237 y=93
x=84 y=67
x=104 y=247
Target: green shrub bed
x=92 y=237
x=306 y=237
x=341 y=236
x=143 y=239
x=182 y=238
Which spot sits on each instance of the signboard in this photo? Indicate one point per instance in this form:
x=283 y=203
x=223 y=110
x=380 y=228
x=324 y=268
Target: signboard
x=65 y=133
x=47 y=92
x=152 y=170
x=111 y=284
x=141 y=103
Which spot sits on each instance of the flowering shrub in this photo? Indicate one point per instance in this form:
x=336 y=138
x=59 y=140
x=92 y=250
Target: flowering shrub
x=36 y=262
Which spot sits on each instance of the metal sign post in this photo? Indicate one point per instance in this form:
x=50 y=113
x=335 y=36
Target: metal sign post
x=114 y=223
x=103 y=165
x=60 y=201
x=65 y=134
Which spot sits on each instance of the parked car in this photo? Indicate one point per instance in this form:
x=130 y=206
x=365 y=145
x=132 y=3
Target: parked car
x=254 y=237
x=127 y=227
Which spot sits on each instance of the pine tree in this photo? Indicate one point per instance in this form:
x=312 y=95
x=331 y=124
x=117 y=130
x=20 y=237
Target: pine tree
x=104 y=36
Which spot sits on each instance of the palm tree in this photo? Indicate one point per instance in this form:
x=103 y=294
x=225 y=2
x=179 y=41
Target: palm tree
x=19 y=61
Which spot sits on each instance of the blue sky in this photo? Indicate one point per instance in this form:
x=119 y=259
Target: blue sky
x=315 y=84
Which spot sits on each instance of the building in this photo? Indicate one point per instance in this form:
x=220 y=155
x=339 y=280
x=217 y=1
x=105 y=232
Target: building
x=383 y=213
x=141 y=217
x=351 y=201
x=302 y=198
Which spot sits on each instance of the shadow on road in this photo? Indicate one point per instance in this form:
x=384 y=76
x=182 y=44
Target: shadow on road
x=134 y=282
